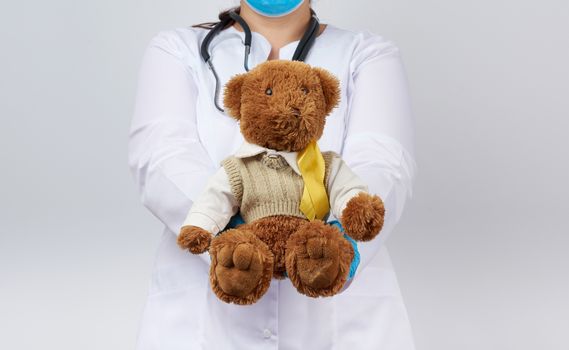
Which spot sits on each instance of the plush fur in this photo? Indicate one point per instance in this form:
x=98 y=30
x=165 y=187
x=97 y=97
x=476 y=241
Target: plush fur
x=293 y=114
x=274 y=232
x=363 y=216
x=283 y=105
x=195 y=239
x=318 y=259
x=241 y=266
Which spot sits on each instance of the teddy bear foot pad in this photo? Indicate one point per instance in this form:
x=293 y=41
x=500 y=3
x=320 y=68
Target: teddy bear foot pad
x=318 y=259
x=241 y=268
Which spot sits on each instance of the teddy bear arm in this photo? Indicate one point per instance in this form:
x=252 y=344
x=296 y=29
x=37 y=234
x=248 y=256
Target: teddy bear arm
x=210 y=213
x=360 y=212
x=342 y=185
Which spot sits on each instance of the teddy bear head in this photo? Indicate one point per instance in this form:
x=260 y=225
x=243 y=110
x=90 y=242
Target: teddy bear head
x=282 y=104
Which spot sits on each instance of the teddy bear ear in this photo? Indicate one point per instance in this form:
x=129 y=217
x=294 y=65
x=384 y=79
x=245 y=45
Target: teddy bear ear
x=330 y=87
x=232 y=95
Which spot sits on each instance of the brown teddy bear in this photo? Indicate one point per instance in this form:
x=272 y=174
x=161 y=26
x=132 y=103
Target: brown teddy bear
x=284 y=188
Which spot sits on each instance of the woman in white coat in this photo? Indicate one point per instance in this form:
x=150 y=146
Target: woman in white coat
x=178 y=138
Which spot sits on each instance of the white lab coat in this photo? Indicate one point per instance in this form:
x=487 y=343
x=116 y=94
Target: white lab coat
x=177 y=141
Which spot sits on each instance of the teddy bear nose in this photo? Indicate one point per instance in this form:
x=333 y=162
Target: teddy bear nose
x=296 y=111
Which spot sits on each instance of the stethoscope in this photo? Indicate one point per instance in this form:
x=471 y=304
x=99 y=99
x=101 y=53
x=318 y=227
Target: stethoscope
x=299 y=54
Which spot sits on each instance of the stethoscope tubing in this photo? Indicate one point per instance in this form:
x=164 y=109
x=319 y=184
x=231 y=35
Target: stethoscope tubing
x=300 y=53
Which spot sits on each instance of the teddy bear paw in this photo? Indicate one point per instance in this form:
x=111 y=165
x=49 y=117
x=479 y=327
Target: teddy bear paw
x=318 y=259
x=241 y=267
x=363 y=216
x=194 y=238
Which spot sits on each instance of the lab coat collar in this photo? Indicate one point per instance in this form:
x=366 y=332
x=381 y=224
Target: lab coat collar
x=250 y=149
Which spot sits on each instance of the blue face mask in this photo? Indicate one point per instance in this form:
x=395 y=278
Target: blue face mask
x=274 y=8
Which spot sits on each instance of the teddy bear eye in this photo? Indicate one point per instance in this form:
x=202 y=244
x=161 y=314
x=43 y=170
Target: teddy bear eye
x=304 y=89
x=269 y=91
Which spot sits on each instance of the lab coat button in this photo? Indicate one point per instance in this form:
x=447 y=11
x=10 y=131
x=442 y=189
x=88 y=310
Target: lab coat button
x=266 y=334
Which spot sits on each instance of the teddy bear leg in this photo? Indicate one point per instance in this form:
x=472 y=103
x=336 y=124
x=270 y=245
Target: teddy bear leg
x=318 y=259
x=241 y=266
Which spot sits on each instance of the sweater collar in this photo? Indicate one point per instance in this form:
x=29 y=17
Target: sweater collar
x=250 y=149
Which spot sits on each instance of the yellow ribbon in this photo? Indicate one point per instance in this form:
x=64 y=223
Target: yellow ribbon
x=314 y=202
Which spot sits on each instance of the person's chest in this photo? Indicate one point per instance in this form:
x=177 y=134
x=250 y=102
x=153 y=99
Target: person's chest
x=219 y=133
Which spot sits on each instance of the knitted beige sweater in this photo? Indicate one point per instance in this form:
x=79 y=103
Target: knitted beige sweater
x=261 y=182
x=266 y=185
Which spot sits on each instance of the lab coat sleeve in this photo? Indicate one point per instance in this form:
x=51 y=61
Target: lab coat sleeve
x=167 y=160
x=379 y=139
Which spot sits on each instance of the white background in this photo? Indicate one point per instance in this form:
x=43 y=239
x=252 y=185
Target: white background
x=481 y=252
